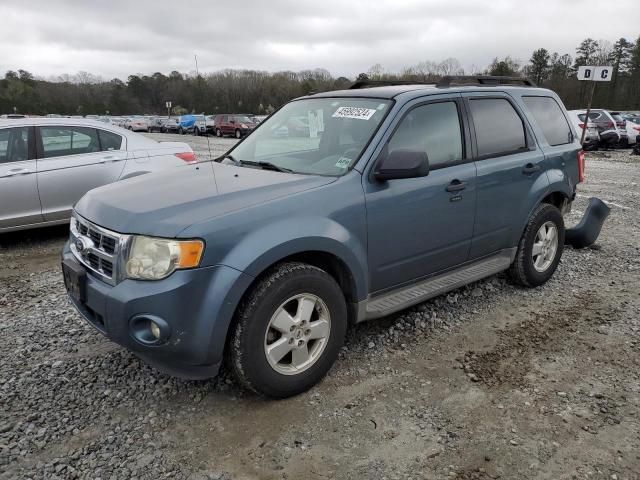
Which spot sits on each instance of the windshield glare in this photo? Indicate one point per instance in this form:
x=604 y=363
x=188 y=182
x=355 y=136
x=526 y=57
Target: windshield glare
x=322 y=136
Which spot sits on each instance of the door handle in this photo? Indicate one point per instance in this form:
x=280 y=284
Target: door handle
x=456 y=186
x=110 y=159
x=18 y=171
x=530 y=168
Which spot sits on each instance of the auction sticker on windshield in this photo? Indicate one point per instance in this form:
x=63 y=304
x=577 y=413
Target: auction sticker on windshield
x=354 y=112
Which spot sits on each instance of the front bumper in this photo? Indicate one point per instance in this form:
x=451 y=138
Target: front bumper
x=197 y=305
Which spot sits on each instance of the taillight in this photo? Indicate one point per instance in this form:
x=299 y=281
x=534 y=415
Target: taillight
x=637 y=128
x=188 y=157
x=581 y=125
x=610 y=125
x=580 y=166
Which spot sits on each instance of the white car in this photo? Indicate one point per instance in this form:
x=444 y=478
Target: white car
x=591 y=137
x=632 y=128
x=47 y=164
x=137 y=124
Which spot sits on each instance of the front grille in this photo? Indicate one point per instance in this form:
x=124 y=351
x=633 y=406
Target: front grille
x=96 y=248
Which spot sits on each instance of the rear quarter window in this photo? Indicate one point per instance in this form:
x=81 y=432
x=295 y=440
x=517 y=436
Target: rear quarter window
x=549 y=117
x=109 y=140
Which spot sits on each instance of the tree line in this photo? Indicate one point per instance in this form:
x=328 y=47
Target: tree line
x=250 y=91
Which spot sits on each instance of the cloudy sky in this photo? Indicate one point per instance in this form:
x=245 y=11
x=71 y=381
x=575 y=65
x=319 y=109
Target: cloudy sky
x=115 y=38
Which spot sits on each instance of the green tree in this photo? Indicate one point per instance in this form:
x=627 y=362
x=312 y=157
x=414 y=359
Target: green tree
x=508 y=67
x=585 y=52
x=539 y=68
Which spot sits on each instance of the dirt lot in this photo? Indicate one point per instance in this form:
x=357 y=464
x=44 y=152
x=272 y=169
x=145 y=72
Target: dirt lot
x=490 y=381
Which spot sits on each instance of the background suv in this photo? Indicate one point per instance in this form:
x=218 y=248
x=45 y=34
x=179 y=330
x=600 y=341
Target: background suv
x=234 y=125
x=395 y=195
x=612 y=129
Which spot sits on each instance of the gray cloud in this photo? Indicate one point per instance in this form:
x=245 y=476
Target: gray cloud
x=116 y=38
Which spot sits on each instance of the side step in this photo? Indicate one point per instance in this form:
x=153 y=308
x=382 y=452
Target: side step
x=399 y=299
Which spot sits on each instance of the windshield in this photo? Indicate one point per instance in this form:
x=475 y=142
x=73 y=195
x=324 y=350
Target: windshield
x=242 y=119
x=322 y=136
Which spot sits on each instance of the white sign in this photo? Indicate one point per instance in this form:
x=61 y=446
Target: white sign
x=595 y=74
x=354 y=112
x=167 y=104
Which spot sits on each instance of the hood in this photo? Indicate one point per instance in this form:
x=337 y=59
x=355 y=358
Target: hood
x=165 y=203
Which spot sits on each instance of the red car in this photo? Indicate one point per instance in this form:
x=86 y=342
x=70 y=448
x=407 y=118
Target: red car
x=235 y=125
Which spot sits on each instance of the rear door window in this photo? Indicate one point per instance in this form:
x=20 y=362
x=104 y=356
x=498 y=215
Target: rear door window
x=499 y=128
x=63 y=140
x=550 y=119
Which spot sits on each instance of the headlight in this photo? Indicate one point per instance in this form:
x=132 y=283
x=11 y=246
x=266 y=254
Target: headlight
x=157 y=258
x=242 y=125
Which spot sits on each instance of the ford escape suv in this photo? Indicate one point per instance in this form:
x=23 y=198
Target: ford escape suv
x=262 y=257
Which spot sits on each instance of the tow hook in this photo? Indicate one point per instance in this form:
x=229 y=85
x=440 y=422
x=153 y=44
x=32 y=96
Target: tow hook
x=586 y=232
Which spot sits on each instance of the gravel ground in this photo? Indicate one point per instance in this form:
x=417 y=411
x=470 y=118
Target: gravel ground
x=490 y=381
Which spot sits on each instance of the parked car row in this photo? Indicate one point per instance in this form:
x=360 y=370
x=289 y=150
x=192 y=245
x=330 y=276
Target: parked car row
x=606 y=128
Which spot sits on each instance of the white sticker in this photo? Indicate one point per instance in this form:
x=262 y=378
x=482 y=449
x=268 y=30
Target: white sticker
x=354 y=112
x=343 y=162
x=313 y=124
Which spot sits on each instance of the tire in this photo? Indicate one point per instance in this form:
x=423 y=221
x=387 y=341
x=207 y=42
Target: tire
x=196 y=131
x=529 y=269
x=180 y=131
x=218 y=132
x=131 y=129
x=288 y=285
x=238 y=134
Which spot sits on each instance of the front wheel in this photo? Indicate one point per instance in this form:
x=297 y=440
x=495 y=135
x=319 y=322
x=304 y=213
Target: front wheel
x=289 y=331
x=238 y=133
x=540 y=247
x=196 y=131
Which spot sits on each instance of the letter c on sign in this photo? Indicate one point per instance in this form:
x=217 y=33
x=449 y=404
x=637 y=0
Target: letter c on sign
x=604 y=74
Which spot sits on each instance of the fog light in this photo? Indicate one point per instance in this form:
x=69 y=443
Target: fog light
x=155 y=330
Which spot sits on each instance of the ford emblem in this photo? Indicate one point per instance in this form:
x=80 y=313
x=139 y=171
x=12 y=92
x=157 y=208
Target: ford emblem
x=83 y=244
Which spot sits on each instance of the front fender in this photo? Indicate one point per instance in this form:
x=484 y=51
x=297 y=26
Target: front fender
x=268 y=245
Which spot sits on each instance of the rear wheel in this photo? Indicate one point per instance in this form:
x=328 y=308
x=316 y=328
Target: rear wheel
x=196 y=131
x=218 y=132
x=238 y=133
x=289 y=331
x=540 y=247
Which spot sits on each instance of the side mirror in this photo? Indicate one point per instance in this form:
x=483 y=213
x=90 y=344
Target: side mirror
x=402 y=163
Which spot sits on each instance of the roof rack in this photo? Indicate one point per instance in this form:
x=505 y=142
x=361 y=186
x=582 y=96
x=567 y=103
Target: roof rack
x=484 y=80
x=384 y=83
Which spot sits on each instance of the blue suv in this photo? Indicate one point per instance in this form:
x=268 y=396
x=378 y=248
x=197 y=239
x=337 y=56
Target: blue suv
x=261 y=258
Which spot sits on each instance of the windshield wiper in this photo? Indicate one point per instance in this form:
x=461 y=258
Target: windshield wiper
x=272 y=166
x=230 y=157
x=263 y=165
x=266 y=166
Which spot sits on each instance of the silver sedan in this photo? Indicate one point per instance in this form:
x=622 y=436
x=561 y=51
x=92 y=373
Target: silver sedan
x=47 y=164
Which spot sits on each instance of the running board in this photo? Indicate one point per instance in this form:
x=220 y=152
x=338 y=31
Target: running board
x=399 y=299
